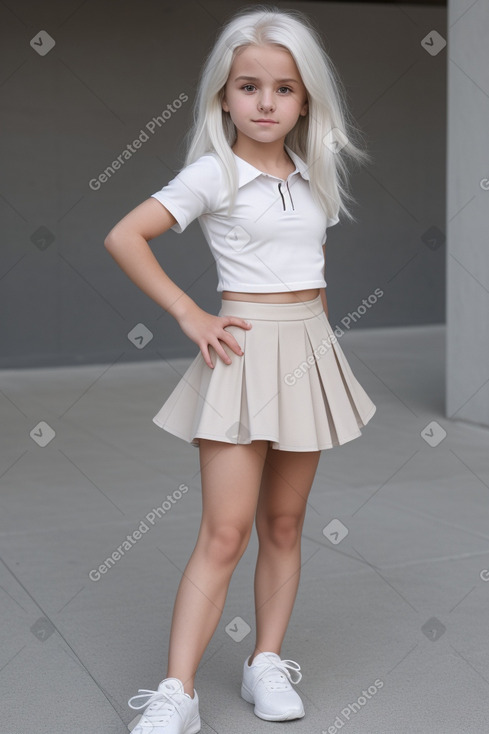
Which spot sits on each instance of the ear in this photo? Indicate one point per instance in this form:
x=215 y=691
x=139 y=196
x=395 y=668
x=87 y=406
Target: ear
x=224 y=104
x=305 y=108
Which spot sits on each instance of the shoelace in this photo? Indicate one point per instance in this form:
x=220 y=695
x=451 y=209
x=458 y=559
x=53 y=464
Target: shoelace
x=161 y=705
x=276 y=675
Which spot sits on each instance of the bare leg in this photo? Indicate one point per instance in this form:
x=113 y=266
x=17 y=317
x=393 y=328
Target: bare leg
x=231 y=475
x=286 y=482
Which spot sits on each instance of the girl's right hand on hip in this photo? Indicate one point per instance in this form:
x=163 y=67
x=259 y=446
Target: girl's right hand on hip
x=205 y=329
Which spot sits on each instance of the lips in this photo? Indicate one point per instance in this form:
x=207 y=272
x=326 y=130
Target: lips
x=269 y=122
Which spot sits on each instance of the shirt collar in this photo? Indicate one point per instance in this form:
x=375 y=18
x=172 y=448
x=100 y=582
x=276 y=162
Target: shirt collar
x=247 y=172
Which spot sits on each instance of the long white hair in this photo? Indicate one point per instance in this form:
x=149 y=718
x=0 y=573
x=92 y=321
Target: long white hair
x=321 y=138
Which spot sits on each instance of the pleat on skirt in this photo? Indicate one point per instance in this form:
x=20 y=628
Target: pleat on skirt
x=292 y=386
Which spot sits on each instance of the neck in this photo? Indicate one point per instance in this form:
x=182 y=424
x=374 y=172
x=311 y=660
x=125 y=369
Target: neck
x=271 y=155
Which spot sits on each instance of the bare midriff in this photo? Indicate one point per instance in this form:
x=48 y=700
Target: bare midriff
x=281 y=297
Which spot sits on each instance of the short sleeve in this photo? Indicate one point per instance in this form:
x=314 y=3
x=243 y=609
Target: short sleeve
x=193 y=192
x=331 y=223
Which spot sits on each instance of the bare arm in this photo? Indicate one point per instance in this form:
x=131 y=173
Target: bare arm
x=127 y=242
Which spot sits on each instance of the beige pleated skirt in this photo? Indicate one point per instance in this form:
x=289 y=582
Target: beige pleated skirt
x=292 y=386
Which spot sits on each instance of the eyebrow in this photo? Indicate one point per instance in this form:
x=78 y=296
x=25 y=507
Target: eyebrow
x=256 y=79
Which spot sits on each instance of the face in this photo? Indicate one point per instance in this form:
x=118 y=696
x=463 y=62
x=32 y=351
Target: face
x=264 y=84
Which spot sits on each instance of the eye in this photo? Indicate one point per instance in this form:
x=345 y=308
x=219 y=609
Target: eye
x=245 y=87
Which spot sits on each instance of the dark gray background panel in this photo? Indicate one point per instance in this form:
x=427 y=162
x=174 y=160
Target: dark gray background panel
x=114 y=67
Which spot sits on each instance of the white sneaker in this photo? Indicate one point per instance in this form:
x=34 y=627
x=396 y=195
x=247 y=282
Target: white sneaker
x=169 y=710
x=266 y=683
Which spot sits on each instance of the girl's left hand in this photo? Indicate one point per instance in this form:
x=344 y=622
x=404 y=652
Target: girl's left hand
x=206 y=330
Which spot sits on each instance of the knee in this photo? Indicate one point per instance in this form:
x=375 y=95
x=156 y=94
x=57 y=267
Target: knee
x=226 y=544
x=282 y=531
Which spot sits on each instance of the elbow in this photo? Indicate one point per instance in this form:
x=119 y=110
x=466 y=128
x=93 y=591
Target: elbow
x=120 y=238
x=109 y=241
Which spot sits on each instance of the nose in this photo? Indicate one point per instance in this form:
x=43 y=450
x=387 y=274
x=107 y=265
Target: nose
x=266 y=101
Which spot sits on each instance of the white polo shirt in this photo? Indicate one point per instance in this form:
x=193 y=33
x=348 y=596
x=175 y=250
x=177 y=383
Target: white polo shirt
x=273 y=239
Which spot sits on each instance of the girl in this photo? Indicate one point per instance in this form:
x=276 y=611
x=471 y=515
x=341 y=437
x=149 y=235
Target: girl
x=270 y=387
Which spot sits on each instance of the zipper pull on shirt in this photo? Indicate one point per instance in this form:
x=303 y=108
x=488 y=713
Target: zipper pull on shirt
x=290 y=197
x=280 y=192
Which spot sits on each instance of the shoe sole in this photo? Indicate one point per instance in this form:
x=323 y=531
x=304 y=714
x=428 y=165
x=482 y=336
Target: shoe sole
x=194 y=726
x=248 y=697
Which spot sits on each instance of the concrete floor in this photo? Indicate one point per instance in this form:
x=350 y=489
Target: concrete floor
x=390 y=625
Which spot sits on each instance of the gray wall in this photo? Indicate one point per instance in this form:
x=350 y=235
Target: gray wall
x=114 y=66
x=467 y=386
